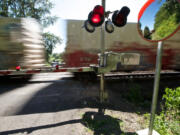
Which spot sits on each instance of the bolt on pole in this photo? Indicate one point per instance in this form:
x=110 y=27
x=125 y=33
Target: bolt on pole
x=156 y=85
x=102 y=82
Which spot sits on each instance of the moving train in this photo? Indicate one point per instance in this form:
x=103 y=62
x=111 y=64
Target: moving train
x=21 y=44
x=82 y=48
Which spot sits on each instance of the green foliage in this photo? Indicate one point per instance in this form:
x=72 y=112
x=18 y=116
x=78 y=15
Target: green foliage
x=56 y=57
x=172 y=99
x=147 y=33
x=167 y=122
x=50 y=41
x=167 y=19
x=163 y=31
x=139 y=25
x=38 y=9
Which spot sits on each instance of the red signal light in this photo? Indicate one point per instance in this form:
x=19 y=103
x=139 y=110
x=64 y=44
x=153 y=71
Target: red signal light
x=119 y=18
x=18 y=68
x=57 y=67
x=96 y=17
x=99 y=10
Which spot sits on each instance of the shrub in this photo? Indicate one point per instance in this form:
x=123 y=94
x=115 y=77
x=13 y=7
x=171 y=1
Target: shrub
x=167 y=122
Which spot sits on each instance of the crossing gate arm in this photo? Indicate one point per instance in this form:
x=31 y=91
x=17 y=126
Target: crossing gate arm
x=51 y=70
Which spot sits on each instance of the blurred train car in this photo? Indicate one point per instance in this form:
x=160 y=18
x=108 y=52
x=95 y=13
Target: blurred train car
x=21 y=44
x=82 y=48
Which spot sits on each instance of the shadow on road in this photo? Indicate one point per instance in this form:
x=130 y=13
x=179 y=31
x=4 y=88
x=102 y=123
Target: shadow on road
x=68 y=93
x=103 y=124
x=31 y=129
x=100 y=124
x=7 y=83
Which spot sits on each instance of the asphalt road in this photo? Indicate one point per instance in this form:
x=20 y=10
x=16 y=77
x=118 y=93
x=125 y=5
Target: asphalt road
x=55 y=103
x=48 y=104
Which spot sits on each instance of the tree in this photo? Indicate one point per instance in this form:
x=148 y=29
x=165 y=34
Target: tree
x=140 y=27
x=56 y=57
x=38 y=9
x=50 y=41
x=147 y=33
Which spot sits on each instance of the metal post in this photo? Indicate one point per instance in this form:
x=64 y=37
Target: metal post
x=102 y=91
x=103 y=33
x=156 y=85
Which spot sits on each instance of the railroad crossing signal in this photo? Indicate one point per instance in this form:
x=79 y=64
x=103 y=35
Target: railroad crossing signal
x=119 y=17
x=97 y=17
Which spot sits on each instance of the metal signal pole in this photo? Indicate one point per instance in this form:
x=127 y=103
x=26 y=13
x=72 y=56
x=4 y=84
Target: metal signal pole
x=102 y=82
x=156 y=85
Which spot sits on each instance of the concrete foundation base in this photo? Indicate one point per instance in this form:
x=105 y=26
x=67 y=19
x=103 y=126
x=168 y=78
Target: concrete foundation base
x=145 y=132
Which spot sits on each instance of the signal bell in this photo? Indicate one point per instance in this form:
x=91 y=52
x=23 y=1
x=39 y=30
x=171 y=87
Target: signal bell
x=119 y=18
x=109 y=27
x=89 y=27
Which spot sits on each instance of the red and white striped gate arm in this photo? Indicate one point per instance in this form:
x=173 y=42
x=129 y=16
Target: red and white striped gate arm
x=51 y=70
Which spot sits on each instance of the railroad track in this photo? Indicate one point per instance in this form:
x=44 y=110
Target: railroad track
x=141 y=75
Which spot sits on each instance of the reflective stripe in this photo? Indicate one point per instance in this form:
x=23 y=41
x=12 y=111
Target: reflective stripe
x=5 y=72
x=60 y=70
x=33 y=71
x=50 y=70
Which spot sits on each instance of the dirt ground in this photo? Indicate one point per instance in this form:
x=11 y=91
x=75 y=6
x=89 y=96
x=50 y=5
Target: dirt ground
x=130 y=99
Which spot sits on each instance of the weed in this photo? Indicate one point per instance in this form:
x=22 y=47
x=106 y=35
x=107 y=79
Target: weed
x=167 y=122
